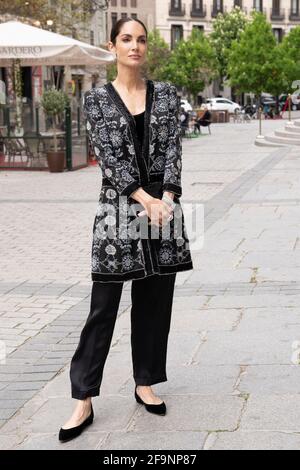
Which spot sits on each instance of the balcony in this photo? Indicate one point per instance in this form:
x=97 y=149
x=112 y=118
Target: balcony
x=215 y=11
x=277 y=14
x=198 y=12
x=176 y=11
x=294 y=15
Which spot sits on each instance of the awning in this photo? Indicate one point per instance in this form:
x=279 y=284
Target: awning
x=35 y=46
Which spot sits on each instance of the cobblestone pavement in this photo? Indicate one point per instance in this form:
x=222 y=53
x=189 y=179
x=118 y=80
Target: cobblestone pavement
x=232 y=383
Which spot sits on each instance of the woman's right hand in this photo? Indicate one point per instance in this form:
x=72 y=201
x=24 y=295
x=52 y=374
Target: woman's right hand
x=158 y=211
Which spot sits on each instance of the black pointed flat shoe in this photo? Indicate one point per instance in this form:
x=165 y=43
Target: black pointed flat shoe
x=159 y=409
x=68 y=434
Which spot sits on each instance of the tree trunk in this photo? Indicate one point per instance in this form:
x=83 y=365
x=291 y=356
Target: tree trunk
x=18 y=95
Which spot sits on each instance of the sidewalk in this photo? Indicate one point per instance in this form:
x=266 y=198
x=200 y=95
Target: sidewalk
x=231 y=381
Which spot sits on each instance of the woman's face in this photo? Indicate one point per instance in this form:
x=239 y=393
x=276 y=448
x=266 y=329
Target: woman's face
x=131 y=45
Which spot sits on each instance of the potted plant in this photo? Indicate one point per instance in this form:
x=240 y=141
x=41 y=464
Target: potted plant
x=54 y=103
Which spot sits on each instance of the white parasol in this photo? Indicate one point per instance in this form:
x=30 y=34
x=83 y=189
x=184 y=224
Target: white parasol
x=35 y=46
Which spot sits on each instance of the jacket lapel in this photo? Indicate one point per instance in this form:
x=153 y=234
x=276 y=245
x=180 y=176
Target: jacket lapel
x=141 y=152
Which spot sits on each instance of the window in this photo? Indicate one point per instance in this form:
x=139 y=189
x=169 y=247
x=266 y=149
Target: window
x=198 y=26
x=176 y=34
x=176 y=5
x=134 y=15
x=258 y=5
x=278 y=33
x=218 y=5
x=238 y=3
x=113 y=3
x=123 y=15
x=114 y=19
x=123 y=3
x=294 y=7
x=133 y=3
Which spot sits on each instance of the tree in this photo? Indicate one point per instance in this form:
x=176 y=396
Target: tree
x=158 y=56
x=252 y=66
x=20 y=8
x=290 y=50
x=68 y=16
x=192 y=64
x=227 y=27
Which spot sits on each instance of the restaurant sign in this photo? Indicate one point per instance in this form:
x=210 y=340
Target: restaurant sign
x=20 y=51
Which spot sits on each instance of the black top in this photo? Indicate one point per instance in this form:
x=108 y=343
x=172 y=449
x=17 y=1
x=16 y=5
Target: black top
x=139 y=120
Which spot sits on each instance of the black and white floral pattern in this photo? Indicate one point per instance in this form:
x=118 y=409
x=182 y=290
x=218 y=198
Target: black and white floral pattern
x=126 y=166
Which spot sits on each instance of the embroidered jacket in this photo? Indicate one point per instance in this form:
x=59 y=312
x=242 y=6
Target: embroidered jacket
x=126 y=166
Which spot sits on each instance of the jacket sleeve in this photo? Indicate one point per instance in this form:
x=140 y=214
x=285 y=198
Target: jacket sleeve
x=113 y=167
x=172 y=174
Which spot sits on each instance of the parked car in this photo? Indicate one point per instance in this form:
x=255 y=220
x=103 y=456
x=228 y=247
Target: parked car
x=222 y=104
x=186 y=105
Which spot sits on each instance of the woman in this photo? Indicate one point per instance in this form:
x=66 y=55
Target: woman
x=204 y=120
x=134 y=130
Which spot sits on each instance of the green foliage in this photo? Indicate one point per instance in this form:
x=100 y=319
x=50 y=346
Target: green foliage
x=290 y=50
x=255 y=61
x=227 y=27
x=193 y=63
x=54 y=102
x=158 y=56
x=33 y=9
x=66 y=15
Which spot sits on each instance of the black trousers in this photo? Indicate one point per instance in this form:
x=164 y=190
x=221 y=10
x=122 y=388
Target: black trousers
x=152 y=299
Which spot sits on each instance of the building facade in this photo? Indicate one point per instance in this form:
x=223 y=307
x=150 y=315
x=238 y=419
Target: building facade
x=177 y=18
x=144 y=10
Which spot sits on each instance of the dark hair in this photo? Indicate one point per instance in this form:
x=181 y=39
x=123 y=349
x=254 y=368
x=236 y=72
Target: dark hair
x=118 y=26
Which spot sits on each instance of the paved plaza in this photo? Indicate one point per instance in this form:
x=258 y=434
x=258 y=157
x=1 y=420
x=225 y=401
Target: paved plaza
x=233 y=378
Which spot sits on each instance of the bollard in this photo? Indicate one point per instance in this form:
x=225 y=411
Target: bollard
x=260 y=137
x=260 y=123
x=289 y=98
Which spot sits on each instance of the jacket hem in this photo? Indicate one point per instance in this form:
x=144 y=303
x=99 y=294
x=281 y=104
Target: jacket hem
x=140 y=274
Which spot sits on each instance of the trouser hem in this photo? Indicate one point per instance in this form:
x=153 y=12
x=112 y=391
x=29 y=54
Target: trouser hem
x=149 y=381
x=82 y=394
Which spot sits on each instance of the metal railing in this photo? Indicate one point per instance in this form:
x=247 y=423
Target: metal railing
x=278 y=14
x=215 y=10
x=29 y=150
x=294 y=15
x=197 y=12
